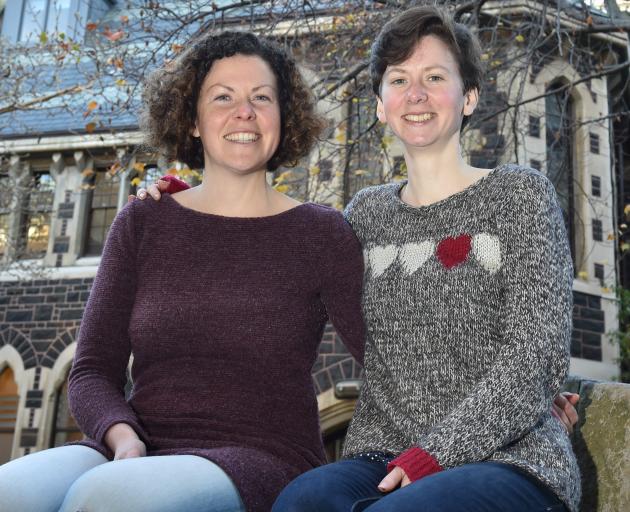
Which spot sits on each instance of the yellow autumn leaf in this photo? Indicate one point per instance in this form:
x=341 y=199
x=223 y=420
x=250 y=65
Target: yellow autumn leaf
x=282 y=177
x=121 y=82
x=360 y=172
x=43 y=38
x=282 y=188
x=520 y=38
x=625 y=246
x=611 y=236
x=139 y=166
x=90 y=127
x=87 y=172
x=626 y=209
x=92 y=105
x=315 y=170
x=172 y=171
x=136 y=181
x=583 y=274
x=114 y=168
x=485 y=56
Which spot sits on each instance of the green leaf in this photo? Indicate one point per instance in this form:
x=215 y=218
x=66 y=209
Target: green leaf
x=43 y=38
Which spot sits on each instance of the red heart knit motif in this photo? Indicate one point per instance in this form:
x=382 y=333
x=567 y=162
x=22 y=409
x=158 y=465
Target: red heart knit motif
x=454 y=251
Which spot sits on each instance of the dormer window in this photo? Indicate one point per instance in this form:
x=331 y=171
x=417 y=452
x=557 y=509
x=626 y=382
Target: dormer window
x=43 y=16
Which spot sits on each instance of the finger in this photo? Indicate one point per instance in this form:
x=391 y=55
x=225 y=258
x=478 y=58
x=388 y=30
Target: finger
x=142 y=193
x=154 y=191
x=571 y=413
x=391 y=481
x=564 y=419
x=560 y=401
x=162 y=185
x=130 y=198
x=573 y=398
x=405 y=481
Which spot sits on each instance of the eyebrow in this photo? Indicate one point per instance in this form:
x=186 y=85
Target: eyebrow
x=232 y=89
x=403 y=70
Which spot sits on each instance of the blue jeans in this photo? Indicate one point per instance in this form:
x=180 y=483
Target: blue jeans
x=351 y=486
x=78 y=478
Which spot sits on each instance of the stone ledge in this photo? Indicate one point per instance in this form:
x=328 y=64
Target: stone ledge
x=602 y=444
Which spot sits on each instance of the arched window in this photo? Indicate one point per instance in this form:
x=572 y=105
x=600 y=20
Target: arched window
x=64 y=428
x=559 y=121
x=333 y=443
x=8 y=412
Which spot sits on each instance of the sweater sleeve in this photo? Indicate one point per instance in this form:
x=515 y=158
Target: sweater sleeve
x=342 y=284
x=98 y=375
x=532 y=364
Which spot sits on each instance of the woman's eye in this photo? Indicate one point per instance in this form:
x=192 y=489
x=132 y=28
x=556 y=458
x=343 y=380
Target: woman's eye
x=435 y=78
x=222 y=97
x=262 y=97
x=398 y=81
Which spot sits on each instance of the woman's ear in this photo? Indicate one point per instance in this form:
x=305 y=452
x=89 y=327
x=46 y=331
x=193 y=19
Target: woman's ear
x=380 y=111
x=471 y=99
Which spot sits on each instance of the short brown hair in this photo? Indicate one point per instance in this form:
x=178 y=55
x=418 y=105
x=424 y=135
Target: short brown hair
x=399 y=36
x=170 y=96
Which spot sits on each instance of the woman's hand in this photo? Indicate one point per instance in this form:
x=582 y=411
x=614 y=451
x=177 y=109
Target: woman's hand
x=154 y=190
x=563 y=408
x=124 y=442
x=396 y=477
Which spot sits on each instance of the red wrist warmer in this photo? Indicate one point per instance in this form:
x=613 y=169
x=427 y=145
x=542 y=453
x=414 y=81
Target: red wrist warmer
x=416 y=463
x=174 y=184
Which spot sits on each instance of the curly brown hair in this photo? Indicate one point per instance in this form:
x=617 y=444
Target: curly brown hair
x=170 y=95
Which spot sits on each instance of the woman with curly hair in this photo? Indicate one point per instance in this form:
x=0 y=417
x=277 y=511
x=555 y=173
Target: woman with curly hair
x=221 y=293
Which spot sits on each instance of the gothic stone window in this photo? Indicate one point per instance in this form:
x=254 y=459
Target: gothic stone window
x=103 y=188
x=8 y=412
x=65 y=428
x=560 y=148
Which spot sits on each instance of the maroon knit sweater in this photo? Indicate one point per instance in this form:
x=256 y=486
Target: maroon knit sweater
x=223 y=316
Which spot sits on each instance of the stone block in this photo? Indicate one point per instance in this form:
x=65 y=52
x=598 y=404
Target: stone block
x=19 y=315
x=71 y=314
x=43 y=313
x=602 y=445
x=43 y=334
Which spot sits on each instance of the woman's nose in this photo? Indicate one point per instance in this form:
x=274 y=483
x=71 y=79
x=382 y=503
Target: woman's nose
x=244 y=110
x=416 y=94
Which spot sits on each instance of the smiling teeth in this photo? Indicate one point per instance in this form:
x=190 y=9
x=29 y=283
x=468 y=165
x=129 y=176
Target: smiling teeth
x=418 y=118
x=242 y=137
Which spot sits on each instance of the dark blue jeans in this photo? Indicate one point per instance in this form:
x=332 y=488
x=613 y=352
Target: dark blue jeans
x=351 y=486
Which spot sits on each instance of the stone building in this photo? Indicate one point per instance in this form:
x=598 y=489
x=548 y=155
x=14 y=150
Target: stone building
x=58 y=199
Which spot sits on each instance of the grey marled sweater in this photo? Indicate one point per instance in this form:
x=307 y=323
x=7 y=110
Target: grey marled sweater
x=468 y=307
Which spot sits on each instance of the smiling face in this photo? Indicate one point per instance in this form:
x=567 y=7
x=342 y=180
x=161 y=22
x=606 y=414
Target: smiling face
x=422 y=98
x=238 y=115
